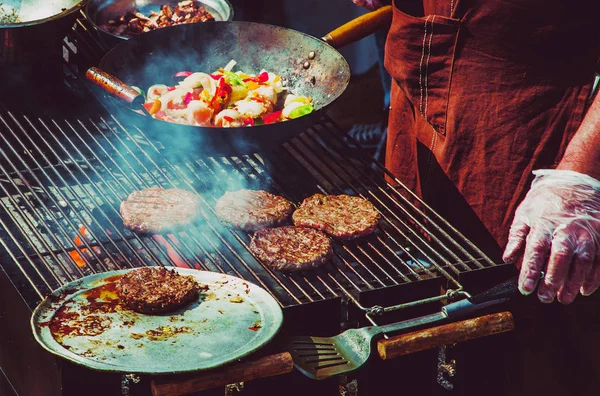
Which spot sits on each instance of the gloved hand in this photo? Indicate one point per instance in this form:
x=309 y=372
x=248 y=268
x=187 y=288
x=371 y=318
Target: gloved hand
x=370 y=5
x=557 y=228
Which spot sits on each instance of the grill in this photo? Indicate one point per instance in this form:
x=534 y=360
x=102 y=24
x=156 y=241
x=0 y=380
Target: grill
x=63 y=183
x=62 y=180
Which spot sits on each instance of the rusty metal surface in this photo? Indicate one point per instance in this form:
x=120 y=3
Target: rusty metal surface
x=85 y=322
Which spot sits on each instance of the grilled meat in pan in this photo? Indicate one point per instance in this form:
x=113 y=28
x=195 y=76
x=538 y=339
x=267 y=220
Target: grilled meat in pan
x=291 y=248
x=157 y=210
x=252 y=210
x=156 y=290
x=341 y=216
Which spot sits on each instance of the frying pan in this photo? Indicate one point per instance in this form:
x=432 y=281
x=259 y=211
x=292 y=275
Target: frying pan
x=22 y=13
x=99 y=12
x=310 y=66
x=31 y=34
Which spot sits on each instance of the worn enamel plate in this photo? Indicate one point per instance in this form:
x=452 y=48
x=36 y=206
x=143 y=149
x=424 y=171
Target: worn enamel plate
x=85 y=322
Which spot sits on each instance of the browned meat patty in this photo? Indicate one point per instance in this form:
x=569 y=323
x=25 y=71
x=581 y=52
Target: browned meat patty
x=252 y=210
x=341 y=216
x=156 y=290
x=291 y=248
x=158 y=210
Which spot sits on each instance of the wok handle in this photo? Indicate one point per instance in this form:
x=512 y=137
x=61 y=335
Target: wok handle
x=359 y=28
x=451 y=333
x=263 y=367
x=115 y=87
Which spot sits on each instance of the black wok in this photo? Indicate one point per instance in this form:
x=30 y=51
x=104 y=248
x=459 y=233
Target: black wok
x=310 y=66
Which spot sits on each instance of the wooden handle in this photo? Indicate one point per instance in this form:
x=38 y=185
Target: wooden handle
x=444 y=335
x=267 y=366
x=114 y=86
x=359 y=28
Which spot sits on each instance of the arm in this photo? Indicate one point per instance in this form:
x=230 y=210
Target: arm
x=583 y=152
x=370 y=5
x=557 y=226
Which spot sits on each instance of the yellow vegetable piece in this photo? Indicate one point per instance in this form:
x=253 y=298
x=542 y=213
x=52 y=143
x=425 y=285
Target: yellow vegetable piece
x=252 y=85
x=155 y=107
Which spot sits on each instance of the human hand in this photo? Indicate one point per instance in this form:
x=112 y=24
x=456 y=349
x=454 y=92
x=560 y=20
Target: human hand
x=557 y=229
x=370 y=5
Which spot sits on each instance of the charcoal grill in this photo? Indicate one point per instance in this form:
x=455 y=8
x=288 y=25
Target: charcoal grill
x=62 y=180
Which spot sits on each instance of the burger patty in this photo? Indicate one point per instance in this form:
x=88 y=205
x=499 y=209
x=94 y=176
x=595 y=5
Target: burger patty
x=341 y=216
x=155 y=290
x=158 y=210
x=291 y=248
x=252 y=210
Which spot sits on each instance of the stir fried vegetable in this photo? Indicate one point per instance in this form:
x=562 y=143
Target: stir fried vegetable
x=225 y=98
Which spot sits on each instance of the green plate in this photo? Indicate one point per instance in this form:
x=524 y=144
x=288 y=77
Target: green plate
x=85 y=322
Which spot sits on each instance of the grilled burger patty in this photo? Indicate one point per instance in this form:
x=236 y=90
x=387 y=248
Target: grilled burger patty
x=341 y=216
x=291 y=248
x=158 y=210
x=156 y=290
x=252 y=210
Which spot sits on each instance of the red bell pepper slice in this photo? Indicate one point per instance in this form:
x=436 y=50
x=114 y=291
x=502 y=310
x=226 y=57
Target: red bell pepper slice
x=261 y=78
x=228 y=119
x=248 y=121
x=271 y=117
x=183 y=74
x=222 y=91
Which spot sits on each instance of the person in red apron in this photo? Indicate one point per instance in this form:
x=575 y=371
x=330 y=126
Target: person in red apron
x=487 y=97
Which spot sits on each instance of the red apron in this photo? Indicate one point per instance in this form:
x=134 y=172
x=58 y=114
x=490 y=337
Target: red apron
x=484 y=92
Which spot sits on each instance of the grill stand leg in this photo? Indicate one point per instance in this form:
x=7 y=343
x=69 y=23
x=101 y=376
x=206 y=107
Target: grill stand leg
x=348 y=388
x=230 y=389
x=126 y=381
x=445 y=369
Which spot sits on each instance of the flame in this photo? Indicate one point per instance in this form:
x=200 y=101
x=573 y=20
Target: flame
x=173 y=255
x=75 y=254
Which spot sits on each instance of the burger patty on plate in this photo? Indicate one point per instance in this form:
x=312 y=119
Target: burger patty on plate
x=341 y=216
x=291 y=248
x=252 y=210
x=154 y=290
x=158 y=210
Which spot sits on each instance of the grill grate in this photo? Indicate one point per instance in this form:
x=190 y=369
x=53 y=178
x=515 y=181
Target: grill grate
x=61 y=184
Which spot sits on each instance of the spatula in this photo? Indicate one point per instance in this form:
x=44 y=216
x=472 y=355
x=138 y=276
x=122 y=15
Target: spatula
x=323 y=357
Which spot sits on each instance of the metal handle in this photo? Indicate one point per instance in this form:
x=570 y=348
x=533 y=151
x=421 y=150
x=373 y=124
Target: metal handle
x=494 y=295
x=359 y=28
x=115 y=87
x=502 y=290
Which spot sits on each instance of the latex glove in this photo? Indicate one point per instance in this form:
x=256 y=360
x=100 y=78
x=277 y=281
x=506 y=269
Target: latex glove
x=557 y=228
x=370 y=5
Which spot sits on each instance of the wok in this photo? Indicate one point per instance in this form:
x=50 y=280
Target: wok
x=311 y=67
